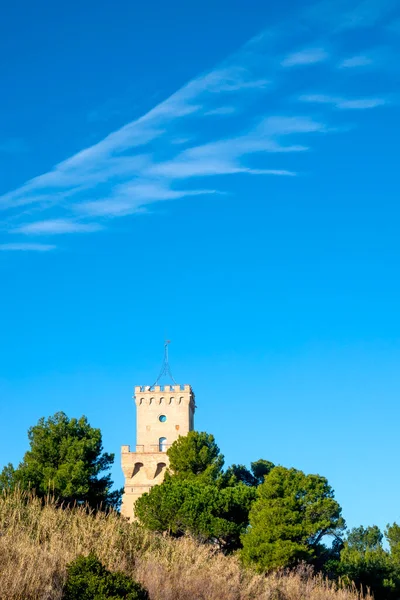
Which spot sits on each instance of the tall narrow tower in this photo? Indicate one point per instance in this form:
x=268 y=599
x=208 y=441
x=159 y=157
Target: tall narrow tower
x=163 y=413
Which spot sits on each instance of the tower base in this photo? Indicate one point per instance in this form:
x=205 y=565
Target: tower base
x=142 y=471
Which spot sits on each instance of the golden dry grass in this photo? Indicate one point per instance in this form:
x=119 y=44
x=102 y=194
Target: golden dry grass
x=37 y=542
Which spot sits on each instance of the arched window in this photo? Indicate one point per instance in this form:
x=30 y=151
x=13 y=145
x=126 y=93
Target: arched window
x=137 y=467
x=160 y=468
x=162 y=444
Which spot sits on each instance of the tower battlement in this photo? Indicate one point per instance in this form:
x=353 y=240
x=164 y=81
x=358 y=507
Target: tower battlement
x=164 y=395
x=162 y=388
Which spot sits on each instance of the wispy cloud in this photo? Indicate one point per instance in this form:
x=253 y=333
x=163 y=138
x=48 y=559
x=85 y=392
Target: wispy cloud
x=367 y=13
x=27 y=247
x=342 y=15
x=132 y=197
x=121 y=174
x=184 y=148
x=115 y=158
x=361 y=103
x=343 y=103
x=305 y=57
x=226 y=157
x=278 y=126
x=356 y=61
x=56 y=226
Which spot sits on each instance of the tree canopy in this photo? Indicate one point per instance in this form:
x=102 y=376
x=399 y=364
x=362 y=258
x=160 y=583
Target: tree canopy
x=365 y=563
x=65 y=459
x=255 y=476
x=289 y=518
x=196 y=456
x=196 y=497
x=205 y=511
x=392 y=535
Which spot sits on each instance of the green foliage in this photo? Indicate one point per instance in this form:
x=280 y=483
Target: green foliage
x=364 y=539
x=288 y=520
x=260 y=469
x=364 y=562
x=237 y=474
x=196 y=497
x=196 y=456
x=240 y=473
x=205 y=511
x=65 y=459
x=392 y=534
x=88 y=579
x=8 y=478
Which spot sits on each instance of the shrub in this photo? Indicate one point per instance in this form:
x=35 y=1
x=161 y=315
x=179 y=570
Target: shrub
x=88 y=579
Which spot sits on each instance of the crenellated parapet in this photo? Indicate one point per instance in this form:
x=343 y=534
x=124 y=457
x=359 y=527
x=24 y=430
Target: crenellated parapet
x=162 y=388
x=164 y=395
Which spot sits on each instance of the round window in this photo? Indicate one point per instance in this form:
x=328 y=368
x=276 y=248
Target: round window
x=162 y=418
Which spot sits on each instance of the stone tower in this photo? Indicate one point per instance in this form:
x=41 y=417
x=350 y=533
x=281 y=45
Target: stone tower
x=163 y=413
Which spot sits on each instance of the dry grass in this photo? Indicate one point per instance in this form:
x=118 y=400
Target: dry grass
x=37 y=542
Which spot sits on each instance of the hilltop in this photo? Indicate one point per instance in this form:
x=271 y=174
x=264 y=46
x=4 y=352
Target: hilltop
x=38 y=540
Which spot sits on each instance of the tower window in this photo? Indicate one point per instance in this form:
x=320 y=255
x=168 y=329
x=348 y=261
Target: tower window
x=162 y=444
x=162 y=418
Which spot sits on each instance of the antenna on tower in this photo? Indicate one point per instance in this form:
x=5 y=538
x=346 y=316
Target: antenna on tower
x=165 y=368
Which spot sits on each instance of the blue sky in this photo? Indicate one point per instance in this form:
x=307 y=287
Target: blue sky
x=224 y=175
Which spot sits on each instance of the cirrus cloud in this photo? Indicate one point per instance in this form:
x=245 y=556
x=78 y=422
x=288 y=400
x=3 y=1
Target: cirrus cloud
x=235 y=120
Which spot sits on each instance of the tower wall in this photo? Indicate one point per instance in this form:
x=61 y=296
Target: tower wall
x=163 y=413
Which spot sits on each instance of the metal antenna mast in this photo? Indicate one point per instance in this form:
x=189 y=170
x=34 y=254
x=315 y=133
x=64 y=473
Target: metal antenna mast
x=165 y=368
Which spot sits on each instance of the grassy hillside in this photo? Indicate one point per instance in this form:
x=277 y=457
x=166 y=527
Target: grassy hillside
x=36 y=544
